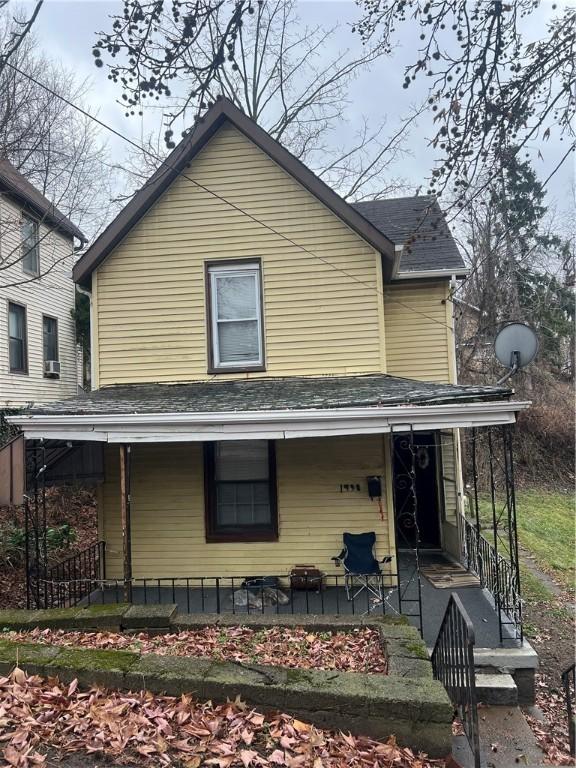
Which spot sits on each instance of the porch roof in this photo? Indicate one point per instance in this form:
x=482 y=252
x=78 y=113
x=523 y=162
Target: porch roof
x=271 y=408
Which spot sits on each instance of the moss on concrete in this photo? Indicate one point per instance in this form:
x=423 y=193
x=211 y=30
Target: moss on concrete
x=16 y=619
x=418 y=649
x=13 y=653
x=376 y=704
x=99 y=609
x=91 y=659
x=412 y=648
x=389 y=621
x=143 y=616
x=403 y=666
x=404 y=632
x=101 y=616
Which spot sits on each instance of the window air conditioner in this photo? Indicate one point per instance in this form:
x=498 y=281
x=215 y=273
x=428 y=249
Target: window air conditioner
x=52 y=368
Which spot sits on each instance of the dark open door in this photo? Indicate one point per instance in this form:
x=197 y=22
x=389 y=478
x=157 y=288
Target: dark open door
x=426 y=502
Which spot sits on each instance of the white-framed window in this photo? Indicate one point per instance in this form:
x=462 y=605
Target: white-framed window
x=30 y=245
x=235 y=313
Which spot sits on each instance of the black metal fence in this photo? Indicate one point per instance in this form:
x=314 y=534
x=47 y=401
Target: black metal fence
x=69 y=582
x=330 y=594
x=569 y=685
x=495 y=560
x=497 y=575
x=453 y=665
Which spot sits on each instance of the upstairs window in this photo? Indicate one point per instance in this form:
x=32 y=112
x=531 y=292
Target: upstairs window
x=17 y=347
x=50 y=338
x=30 y=246
x=240 y=480
x=235 y=316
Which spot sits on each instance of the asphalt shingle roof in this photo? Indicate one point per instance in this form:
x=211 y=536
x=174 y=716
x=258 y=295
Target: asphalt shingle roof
x=17 y=185
x=267 y=394
x=419 y=225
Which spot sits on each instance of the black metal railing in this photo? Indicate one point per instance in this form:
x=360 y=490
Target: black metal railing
x=69 y=582
x=496 y=574
x=453 y=665
x=569 y=685
x=234 y=594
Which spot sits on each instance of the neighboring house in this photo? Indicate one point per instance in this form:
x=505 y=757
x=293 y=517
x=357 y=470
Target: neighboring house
x=38 y=355
x=261 y=348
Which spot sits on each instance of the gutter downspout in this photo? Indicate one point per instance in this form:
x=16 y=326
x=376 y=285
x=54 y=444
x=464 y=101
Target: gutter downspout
x=92 y=347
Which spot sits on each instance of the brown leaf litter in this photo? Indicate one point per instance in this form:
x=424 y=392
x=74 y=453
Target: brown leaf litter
x=357 y=650
x=40 y=716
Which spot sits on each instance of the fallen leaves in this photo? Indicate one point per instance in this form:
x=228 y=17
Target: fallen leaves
x=42 y=714
x=552 y=732
x=358 y=650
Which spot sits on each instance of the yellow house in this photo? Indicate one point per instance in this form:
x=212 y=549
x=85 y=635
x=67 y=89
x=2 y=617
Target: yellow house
x=272 y=367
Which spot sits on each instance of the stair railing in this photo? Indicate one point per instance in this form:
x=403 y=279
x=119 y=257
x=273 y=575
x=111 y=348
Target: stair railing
x=569 y=685
x=453 y=665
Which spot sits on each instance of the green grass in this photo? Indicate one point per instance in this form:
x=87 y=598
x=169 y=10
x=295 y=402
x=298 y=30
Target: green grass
x=546 y=528
x=533 y=590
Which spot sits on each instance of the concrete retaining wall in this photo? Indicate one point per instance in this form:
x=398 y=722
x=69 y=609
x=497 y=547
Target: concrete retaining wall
x=407 y=702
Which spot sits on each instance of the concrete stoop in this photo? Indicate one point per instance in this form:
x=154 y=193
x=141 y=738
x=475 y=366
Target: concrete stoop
x=520 y=662
x=496 y=689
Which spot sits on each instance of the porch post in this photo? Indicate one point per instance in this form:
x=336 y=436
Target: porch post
x=125 y=518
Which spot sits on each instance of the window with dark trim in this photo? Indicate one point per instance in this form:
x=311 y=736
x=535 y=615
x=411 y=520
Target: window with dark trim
x=30 y=245
x=17 y=344
x=240 y=490
x=49 y=338
x=236 y=338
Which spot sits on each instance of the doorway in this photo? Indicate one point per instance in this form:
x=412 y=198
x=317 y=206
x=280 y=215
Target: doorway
x=416 y=510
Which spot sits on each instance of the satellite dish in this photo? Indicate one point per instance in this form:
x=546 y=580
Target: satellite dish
x=515 y=346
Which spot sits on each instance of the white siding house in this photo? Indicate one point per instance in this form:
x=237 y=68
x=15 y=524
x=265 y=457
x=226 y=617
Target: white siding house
x=38 y=355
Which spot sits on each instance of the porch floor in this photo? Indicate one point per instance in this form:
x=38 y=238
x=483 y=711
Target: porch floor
x=332 y=601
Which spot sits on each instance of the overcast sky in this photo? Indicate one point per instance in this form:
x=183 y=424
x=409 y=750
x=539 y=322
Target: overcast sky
x=67 y=29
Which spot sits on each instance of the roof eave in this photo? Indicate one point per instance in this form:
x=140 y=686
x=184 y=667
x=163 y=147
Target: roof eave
x=66 y=227
x=420 y=274
x=266 y=424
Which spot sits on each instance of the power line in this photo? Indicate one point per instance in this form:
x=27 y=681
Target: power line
x=236 y=207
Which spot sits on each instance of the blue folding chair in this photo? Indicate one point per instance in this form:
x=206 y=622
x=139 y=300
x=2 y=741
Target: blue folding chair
x=362 y=571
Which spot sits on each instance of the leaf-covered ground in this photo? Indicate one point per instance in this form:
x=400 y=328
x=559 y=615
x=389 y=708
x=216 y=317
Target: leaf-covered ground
x=551 y=732
x=357 y=650
x=40 y=716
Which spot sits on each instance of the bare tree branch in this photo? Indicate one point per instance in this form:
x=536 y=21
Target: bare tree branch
x=281 y=77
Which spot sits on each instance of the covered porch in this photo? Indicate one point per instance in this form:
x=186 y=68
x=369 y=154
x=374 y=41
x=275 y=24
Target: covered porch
x=370 y=453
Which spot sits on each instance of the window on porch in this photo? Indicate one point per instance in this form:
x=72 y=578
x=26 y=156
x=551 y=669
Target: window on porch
x=240 y=490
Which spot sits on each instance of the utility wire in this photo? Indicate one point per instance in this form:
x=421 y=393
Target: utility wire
x=169 y=167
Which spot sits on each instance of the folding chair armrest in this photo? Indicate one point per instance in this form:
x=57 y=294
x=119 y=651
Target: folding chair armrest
x=386 y=559
x=339 y=558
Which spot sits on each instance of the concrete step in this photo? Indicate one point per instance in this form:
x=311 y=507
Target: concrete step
x=496 y=689
x=506 y=741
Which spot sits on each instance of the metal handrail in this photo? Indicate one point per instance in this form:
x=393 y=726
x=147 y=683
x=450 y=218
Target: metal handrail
x=569 y=685
x=453 y=665
x=496 y=574
x=73 y=579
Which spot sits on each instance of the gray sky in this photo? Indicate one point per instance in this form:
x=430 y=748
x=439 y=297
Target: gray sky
x=67 y=30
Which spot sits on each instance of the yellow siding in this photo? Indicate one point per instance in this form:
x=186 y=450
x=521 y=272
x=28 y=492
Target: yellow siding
x=418 y=331
x=319 y=317
x=168 y=535
x=449 y=472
